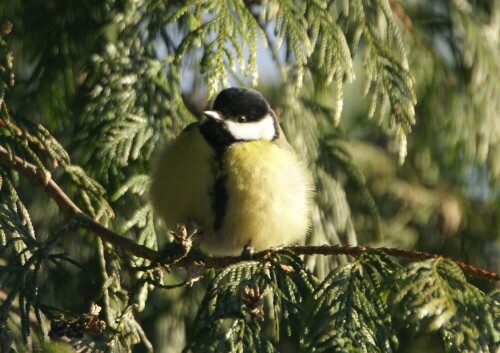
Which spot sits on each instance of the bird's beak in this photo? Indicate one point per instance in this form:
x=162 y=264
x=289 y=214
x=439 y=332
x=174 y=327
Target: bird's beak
x=213 y=115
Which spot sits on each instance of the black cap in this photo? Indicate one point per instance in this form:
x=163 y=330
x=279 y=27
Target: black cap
x=238 y=101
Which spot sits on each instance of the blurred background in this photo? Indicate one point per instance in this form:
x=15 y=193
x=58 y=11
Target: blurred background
x=396 y=108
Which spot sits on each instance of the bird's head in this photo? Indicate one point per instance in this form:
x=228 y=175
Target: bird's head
x=242 y=114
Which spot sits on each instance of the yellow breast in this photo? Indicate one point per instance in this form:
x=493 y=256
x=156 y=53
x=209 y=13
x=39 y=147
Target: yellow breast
x=269 y=192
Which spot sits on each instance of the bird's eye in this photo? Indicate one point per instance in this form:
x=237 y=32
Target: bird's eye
x=242 y=119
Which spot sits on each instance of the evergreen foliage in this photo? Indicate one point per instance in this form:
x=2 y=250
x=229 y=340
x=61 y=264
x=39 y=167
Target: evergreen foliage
x=90 y=89
x=435 y=295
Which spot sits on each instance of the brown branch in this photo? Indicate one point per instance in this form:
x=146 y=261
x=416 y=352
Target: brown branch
x=68 y=207
x=354 y=251
x=72 y=211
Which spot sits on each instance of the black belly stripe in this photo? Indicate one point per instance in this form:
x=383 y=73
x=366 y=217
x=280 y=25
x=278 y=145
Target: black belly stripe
x=219 y=201
x=220 y=140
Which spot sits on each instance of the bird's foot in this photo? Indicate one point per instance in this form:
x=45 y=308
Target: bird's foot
x=248 y=251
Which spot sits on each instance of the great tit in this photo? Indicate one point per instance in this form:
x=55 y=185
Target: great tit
x=235 y=175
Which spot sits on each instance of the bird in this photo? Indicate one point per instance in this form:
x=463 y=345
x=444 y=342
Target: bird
x=234 y=174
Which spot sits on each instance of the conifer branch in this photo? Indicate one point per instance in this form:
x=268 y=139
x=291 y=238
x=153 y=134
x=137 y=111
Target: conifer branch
x=69 y=208
x=14 y=306
x=72 y=211
x=400 y=13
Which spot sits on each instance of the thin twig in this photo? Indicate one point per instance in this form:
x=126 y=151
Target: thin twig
x=68 y=207
x=168 y=286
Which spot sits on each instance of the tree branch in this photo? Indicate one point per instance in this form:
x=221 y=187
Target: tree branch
x=72 y=211
x=68 y=207
x=353 y=251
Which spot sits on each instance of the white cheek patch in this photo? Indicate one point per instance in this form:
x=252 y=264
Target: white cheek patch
x=259 y=130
